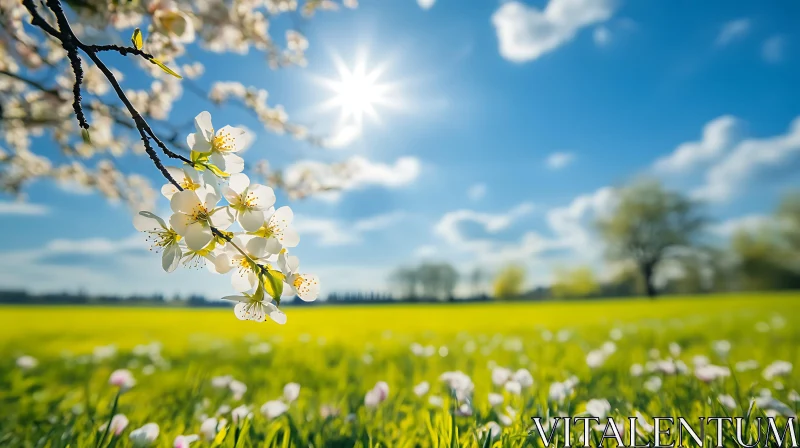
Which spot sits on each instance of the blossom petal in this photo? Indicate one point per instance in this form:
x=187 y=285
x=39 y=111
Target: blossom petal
x=274 y=246
x=145 y=221
x=177 y=173
x=264 y=196
x=257 y=247
x=308 y=290
x=202 y=122
x=208 y=196
x=238 y=137
x=197 y=236
x=180 y=223
x=222 y=263
x=231 y=195
x=251 y=220
x=170 y=257
x=237 y=298
x=275 y=314
x=233 y=163
x=185 y=201
x=222 y=218
x=290 y=238
x=281 y=219
x=239 y=182
x=168 y=190
x=292 y=263
x=258 y=312
x=244 y=280
x=218 y=160
x=241 y=311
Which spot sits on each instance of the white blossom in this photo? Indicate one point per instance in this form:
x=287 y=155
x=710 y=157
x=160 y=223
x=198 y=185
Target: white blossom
x=248 y=202
x=184 y=441
x=27 y=362
x=727 y=401
x=274 y=409
x=144 y=436
x=161 y=237
x=210 y=427
x=221 y=145
x=421 y=388
x=305 y=286
x=776 y=369
x=122 y=378
x=194 y=213
x=118 y=424
x=291 y=392
x=598 y=408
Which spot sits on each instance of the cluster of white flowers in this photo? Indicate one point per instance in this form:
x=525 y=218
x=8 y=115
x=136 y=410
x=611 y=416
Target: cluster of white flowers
x=197 y=232
x=513 y=382
x=36 y=81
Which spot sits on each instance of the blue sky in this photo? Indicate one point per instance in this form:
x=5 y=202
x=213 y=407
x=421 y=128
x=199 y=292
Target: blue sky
x=510 y=121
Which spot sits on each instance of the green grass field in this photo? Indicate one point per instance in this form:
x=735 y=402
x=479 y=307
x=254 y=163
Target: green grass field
x=338 y=354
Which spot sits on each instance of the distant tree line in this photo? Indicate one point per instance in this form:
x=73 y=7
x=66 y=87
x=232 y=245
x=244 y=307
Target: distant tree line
x=22 y=297
x=658 y=240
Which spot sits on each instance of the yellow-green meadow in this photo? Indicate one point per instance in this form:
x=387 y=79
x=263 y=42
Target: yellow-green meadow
x=362 y=370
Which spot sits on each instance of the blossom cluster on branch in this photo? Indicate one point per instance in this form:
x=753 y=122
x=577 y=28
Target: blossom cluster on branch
x=38 y=82
x=197 y=232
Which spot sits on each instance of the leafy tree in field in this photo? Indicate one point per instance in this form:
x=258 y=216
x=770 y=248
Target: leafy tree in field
x=574 y=283
x=768 y=255
x=406 y=281
x=509 y=282
x=476 y=279
x=433 y=280
x=649 y=225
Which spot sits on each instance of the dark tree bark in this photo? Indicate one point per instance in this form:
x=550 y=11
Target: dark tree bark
x=648 y=270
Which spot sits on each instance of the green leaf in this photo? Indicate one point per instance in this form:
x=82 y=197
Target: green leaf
x=258 y=295
x=137 y=39
x=220 y=436
x=214 y=169
x=165 y=68
x=86 y=137
x=273 y=282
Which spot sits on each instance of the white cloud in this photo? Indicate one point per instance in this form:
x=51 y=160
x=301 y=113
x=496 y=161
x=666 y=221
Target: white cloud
x=558 y=160
x=379 y=222
x=331 y=232
x=448 y=225
x=403 y=172
x=748 y=222
x=772 y=49
x=476 y=192
x=95 y=245
x=23 y=208
x=571 y=241
x=525 y=33
x=732 y=31
x=747 y=159
x=572 y=223
x=426 y=251
x=718 y=136
x=327 y=232
x=426 y=4
x=353 y=174
x=601 y=36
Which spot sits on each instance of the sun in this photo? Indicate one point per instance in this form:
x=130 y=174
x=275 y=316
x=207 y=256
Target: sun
x=358 y=92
